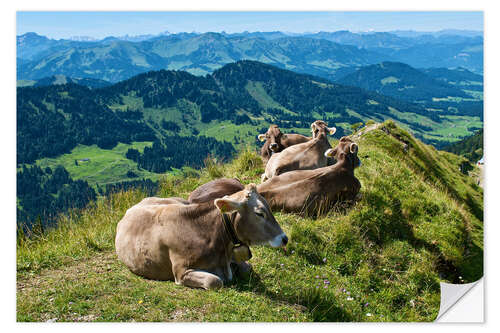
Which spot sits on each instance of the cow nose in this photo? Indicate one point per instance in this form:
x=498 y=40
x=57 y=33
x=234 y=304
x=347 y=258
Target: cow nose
x=284 y=240
x=273 y=145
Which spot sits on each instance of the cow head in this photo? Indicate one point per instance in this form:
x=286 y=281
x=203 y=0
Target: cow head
x=273 y=138
x=319 y=127
x=346 y=149
x=255 y=223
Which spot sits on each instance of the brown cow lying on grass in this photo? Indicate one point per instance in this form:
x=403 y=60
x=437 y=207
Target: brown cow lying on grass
x=215 y=189
x=189 y=243
x=312 y=190
x=276 y=141
x=304 y=156
x=301 y=190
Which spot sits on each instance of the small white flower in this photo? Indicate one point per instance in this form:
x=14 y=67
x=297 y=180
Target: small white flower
x=368 y=314
x=350 y=298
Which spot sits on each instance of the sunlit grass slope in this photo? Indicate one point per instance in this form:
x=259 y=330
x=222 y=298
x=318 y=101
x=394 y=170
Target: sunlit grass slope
x=100 y=166
x=419 y=222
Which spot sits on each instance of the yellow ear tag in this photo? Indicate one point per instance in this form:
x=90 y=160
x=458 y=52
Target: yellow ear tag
x=332 y=131
x=224 y=207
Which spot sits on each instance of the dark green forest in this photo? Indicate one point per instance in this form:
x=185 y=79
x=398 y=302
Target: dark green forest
x=470 y=147
x=177 y=152
x=43 y=194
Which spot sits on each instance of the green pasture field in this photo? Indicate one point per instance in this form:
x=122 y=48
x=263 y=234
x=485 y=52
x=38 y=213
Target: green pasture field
x=103 y=165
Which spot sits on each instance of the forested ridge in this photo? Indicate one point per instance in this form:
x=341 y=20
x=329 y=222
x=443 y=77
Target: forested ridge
x=470 y=147
x=402 y=82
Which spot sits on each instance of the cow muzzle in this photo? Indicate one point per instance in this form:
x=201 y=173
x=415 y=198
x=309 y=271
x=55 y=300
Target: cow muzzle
x=278 y=241
x=273 y=147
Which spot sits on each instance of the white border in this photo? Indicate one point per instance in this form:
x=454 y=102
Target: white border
x=8 y=135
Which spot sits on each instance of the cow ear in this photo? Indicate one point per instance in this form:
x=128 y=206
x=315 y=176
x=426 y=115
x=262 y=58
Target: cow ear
x=227 y=205
x=332 y=130
x=353 y=148
x=262 y=137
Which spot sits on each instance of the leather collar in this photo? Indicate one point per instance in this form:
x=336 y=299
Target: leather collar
x=228 y=225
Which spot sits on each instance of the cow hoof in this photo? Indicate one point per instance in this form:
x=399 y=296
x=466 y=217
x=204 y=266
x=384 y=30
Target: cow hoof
x=214 y=284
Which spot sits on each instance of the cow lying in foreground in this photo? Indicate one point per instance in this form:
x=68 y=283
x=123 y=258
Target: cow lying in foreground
x=301 y=190
x=304 y=156
x=276 y=141
x=167 y=239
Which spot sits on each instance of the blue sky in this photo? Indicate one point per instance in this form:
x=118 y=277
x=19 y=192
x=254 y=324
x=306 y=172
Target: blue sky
x=101 y=24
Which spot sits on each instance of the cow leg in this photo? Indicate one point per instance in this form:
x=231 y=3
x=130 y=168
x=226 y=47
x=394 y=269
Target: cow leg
x=201 y=279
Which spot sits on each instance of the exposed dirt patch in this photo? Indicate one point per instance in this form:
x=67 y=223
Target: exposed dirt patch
x=365 y=130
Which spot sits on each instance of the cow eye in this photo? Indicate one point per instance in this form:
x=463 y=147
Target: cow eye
x=260 y=214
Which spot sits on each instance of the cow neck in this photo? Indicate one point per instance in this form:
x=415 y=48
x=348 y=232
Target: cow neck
x=228 y=226
x=347 y=162
x=322 y=138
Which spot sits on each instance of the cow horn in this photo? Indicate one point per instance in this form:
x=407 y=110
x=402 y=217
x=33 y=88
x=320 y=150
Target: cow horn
x=353 y=148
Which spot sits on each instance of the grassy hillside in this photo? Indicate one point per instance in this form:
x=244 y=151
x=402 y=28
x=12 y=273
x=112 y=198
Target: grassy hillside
x=419 y=222
x=103 y=165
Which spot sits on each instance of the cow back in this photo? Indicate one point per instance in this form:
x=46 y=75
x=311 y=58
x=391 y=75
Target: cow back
x=215 y=189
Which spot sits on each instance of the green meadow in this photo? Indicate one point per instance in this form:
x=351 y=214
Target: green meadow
x=100 y=166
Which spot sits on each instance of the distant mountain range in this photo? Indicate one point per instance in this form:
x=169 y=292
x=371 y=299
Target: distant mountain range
x=459 y=77
x=61 y=79
x=330 y=55
x=404 y=82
